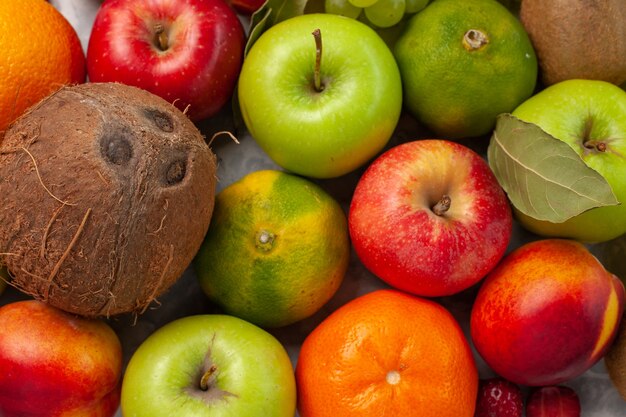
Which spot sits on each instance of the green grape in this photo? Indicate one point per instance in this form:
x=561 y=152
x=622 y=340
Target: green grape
x=385 y=13
x=362 y=3
x=342 y=7
x=414 y=6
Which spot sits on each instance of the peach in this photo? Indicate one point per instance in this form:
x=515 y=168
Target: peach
x=547 y=313
x=57 y=364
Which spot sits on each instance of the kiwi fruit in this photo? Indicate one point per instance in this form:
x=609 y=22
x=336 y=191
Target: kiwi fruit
x=615 y=360
x=577 y=38
x=108 y=191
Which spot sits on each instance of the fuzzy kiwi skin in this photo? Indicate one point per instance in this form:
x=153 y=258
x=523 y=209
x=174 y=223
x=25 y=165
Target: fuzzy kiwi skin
x=577 y=38
x=108 y=191
x=615 y=360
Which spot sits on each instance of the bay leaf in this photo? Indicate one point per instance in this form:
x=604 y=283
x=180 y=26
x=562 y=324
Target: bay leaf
x=543 y=176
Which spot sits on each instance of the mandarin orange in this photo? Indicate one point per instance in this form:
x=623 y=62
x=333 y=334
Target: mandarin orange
x=387 y=353
x=40 y=53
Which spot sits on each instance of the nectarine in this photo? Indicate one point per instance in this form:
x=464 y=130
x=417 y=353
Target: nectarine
x=546 y=313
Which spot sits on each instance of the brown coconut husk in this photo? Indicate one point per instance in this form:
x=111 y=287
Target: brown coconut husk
x=108 y=191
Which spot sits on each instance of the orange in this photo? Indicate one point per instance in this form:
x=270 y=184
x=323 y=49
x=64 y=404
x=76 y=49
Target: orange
x=40 y=53
x=462 y=63
x=387 y=353
x=276 y=251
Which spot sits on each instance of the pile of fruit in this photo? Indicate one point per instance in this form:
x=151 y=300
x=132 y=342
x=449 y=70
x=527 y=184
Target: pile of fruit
x=313 y=208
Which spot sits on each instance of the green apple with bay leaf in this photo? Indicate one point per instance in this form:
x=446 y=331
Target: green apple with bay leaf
x=209 y=365
x=590 y=116
x=320 y=105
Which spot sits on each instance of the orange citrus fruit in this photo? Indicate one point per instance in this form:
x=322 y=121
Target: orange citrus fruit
x=276 y=251
x=387 y=354
x=41 y=52
x=462 y=63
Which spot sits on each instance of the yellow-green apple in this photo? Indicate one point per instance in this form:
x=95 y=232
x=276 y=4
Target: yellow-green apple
x=57 y=364
x=590 y=116
x=209 y=364
x=187 y=51
x=429 y=217
x=547 y=313
x=320 y=93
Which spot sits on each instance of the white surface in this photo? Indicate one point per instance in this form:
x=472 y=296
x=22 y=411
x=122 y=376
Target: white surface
x=598 y=396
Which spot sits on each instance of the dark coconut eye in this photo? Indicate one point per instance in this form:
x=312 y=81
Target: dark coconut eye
x=176 y=171
x=116 y=146
x=160 y=119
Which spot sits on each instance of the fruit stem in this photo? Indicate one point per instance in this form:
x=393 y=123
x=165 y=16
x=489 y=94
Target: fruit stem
x=317 y=34
x=597 y=145
x=206 y=378
x=442 y=205
x=161 y=37
x=474 y=39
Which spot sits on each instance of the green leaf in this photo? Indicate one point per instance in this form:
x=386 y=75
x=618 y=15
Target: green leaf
x=543 y=176
x=258 y=23
x=270 y=13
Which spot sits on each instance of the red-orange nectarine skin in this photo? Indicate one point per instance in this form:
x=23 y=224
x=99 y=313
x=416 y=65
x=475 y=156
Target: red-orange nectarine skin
x=56 y=364
x=401 y=240
x=546 y=313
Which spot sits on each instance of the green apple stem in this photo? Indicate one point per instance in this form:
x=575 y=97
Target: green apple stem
x=596 y=145
x=317 y=34
x=442 y=205
x=161 y=37
x=475 y=39
x=205 y=381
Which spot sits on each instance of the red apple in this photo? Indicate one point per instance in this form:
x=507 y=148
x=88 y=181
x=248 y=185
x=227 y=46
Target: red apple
x=547 y=313
x=429 y=217
x=246 y=7
x=187 y=51
x=56 y=364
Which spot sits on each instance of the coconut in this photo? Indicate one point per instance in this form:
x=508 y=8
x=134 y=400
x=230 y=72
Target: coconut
x=108 y=191
x=577 y=38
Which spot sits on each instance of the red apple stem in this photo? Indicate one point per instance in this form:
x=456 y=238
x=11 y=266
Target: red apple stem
x=161 y=37
x=442 y=205
x=206 y=378
x=317 y=35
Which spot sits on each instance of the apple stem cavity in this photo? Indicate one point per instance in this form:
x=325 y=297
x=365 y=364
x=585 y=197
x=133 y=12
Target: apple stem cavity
x=595 y=145
x=442 y=205
x=475 y=39
x=207 y=378
x=161 y=38
x=317 y=81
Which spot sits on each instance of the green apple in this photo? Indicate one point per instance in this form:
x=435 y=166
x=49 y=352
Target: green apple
x=209 y=365
x=590 y=116
x=325 y=123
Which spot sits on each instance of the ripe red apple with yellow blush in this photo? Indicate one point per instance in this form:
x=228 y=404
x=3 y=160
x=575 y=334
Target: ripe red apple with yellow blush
x=547 y=313
x=429 y=217
x=57 y=364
